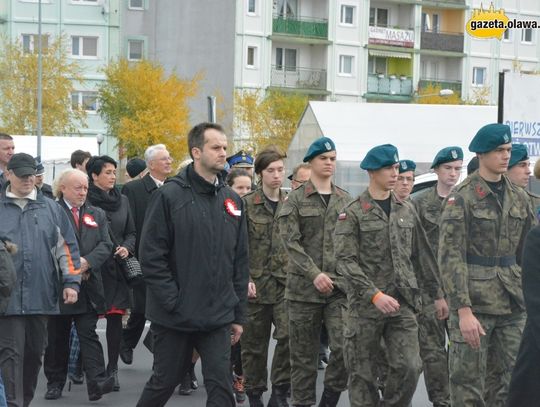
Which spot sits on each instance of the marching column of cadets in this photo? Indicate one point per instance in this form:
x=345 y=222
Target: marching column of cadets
x=382 y=272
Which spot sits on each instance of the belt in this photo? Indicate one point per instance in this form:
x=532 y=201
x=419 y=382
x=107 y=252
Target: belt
x=502 y=261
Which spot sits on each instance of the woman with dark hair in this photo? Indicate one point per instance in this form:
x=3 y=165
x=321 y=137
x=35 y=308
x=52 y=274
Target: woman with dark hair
x=103 y=194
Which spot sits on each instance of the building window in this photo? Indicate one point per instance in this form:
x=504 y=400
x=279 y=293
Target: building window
x=84 y=1
x=251 y=56
x=84 y=47
x=85 y=100
x=378 y=17
x=347 y=14
x=377 y=65
x=135 y=50
x=30 y=42
x=286 y=59
x=507 y=35
x=251 y=7
x=430 y=23
x=346 y=64
x=286 y=8
x=527 y=35
x=479 y=76
x=136 y=4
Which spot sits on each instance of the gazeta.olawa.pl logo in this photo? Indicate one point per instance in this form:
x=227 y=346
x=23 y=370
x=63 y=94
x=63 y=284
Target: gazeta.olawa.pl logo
x=493 y=23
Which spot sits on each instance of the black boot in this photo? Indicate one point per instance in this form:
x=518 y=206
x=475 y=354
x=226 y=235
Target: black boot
x=329 y=398
x=279 y=396
x=255 y=399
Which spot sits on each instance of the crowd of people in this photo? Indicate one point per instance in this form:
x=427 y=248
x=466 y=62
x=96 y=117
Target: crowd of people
x=396 y=285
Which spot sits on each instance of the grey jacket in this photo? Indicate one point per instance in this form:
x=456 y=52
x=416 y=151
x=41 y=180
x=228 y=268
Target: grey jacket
x=48 y=254
x=8 y=276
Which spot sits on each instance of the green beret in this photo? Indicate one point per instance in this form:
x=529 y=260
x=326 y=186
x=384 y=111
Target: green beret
x=380 y=157
x=519 y=153
x=406 y=165
x=446 y=155
x=490 y=137
x=320 y=146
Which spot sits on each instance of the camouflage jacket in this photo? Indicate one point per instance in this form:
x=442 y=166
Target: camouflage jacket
x=267 y=255
x=307 y=226
x=475 y=227
x=429 y=206
x=379 y=253
x=535 y=203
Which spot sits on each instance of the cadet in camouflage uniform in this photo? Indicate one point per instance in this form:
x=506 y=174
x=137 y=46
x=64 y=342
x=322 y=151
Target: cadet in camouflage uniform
x=482 y=230
x=405 y=180
x=380 y=249
x=432 y=331
x=267 y=270
x=314 y=291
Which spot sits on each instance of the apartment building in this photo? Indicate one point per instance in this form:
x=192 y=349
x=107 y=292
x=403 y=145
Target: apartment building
x=91 y=28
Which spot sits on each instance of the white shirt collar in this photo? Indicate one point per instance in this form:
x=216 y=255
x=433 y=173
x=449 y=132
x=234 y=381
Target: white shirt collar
x=157 y=181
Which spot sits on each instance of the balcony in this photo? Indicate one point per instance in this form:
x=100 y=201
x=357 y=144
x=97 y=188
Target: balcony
x=313 y=80
x=391 y=36
x=441 y=41
x=455 y=85
x=458 y=4
x=303 y=27
x=389 y=85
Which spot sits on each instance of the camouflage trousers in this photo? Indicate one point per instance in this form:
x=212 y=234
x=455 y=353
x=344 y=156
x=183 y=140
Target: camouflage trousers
x=432 y=340
x=469 y=367
x=305 y=320
x=362 y=339
x=255 y=342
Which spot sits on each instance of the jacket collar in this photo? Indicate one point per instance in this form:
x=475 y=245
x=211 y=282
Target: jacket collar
x=310 y=189
x=189 y=178
x=149 y=183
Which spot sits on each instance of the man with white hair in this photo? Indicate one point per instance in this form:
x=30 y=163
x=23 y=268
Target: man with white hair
x=158 y=163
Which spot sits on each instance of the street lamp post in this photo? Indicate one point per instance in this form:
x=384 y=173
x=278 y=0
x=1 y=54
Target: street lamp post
x=99 y=138
x=39 y=84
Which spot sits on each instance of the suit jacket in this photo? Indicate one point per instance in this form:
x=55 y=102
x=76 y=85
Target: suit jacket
x=95 y=246
x=138 y=193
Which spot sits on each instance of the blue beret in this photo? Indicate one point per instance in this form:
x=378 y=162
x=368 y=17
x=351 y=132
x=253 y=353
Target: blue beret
x=490 y=137
x=240 y=159
x=406 y=165
x=519 y=153
x=318 y=147
x=446 y=155
x=380 y=157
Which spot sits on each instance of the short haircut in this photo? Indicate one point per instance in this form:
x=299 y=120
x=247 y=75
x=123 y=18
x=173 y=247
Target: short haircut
x=151 y=151
x=267 y=156
x=473 y=165
x=196 y=135
x=235 y=173
x=95 y=165
x=306 y=166
x=537 y=169
x=4 y=136
x=64 y=175
x=78 y=157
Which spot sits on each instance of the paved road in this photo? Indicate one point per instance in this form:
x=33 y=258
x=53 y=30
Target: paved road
x=132 y=379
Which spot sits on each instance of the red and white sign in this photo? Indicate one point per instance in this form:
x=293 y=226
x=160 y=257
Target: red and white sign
x=391 y=36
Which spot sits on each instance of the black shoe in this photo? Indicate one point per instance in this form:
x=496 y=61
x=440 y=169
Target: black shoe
x=76 y=378
x=185 y=387
x=194 y=382
x=53 y=393
x=96 y=389
x=255 y=399
x=329 y=398
x=278 y=398
x=126 y=354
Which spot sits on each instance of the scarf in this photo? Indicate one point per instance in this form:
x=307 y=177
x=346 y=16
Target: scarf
x=108 y=201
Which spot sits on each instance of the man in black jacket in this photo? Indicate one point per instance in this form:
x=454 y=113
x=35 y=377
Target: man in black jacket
x=195 y=263
x=90 y=225
x=158 y=162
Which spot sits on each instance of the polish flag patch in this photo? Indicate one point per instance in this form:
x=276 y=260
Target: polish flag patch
x=342 y=216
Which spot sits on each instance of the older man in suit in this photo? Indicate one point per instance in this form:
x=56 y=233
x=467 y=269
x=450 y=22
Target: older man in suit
x=158 y=163
x=90 y=225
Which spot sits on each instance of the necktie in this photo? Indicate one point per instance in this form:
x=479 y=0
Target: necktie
x=75 y=212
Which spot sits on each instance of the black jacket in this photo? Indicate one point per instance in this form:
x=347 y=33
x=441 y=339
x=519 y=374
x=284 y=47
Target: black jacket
x=194 y=255
x=8 y=276
x=95 y=246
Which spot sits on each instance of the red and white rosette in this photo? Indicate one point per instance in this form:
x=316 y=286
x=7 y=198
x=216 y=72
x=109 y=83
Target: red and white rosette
x=89 y=221
x=231 y=208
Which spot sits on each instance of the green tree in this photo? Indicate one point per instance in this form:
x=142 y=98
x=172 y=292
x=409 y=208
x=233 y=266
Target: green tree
x=268 y=119
x=143 y=106
x=18 y=89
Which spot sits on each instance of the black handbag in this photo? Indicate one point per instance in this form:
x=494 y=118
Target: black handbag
x=130 y=266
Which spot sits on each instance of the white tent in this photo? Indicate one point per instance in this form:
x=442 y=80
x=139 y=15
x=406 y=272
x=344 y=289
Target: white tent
x=417 y=130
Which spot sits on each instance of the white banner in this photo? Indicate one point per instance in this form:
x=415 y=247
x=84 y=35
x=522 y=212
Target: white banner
x=391 y=36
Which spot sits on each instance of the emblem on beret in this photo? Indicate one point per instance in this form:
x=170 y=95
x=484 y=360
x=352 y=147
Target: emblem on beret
x=454 y=154
x=404 y=165
x=505 y=137
x=396 y=158
x=328 y=146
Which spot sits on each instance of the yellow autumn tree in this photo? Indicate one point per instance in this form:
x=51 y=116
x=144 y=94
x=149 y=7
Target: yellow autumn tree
x=268 y=119
x=430 y=95
x=141 y=106
x=19 y=84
